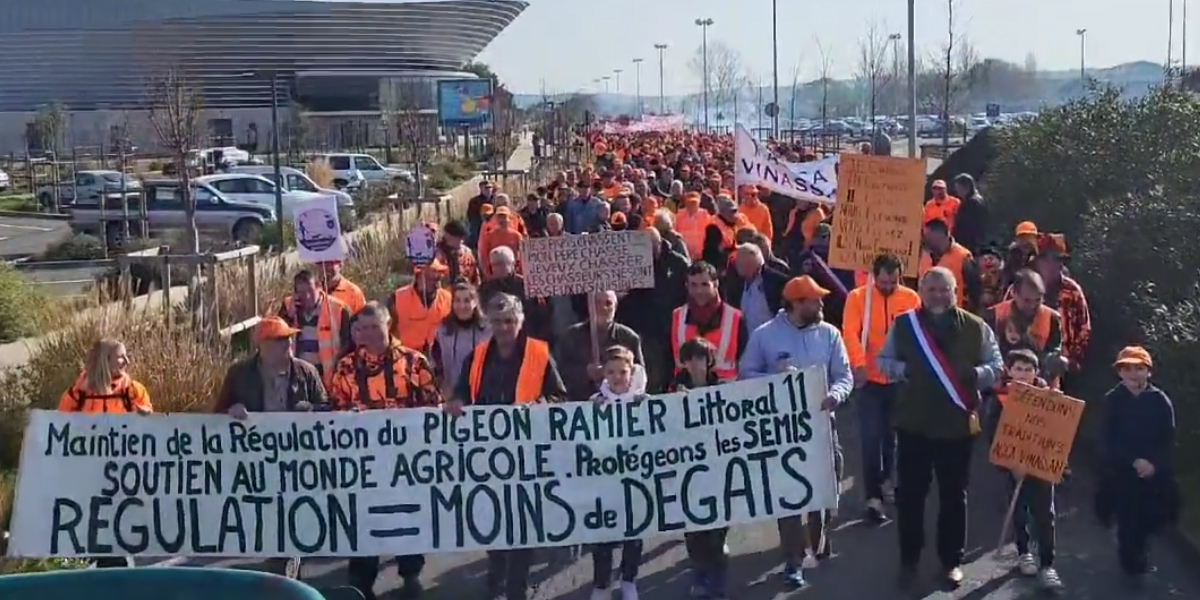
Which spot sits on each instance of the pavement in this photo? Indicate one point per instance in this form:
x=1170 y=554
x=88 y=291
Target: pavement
x=863 y=568
x=24 y=236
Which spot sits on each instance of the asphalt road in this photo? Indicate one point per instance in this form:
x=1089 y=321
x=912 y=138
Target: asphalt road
x=23 y=236
x=864 y=567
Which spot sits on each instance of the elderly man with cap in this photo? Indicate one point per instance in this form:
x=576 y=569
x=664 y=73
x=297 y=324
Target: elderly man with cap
x=504 y=235
x=460 y=261
x=341 y=288
x=417 y=309
x=1065 y=295
x=322 y=321
x=942 y=357
x=272 y=380
x=942 y=206
x=798 y=338
x=720 y=235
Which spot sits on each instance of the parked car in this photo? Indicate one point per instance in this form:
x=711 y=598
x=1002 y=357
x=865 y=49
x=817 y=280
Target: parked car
x=5 y=181
x=216 y=213
x=256 y=189
x=295 y=180
x=90 y=186
x=344 y=167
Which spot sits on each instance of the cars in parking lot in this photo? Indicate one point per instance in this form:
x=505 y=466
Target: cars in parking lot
x=295 y=180
x=88 y=187
x=256 y=189
x=5 y=181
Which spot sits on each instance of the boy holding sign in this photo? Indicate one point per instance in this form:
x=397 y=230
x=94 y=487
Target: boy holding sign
x=1034 y=498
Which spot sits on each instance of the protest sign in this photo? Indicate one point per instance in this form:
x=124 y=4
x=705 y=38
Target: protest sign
x=318 y=231
x=1036 y=432
x=420 y=245
x=815 y=181
x=880 y=208
x=416 y=481
x=578 y=264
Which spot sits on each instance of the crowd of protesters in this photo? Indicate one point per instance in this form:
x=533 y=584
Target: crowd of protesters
x=743 y=289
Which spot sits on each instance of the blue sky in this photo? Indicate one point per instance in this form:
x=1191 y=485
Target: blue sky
x=569 y=43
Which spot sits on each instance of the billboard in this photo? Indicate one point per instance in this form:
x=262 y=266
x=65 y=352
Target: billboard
x=464 y=102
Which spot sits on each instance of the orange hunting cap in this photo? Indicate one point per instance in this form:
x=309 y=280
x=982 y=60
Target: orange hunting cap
x=1027 y=228
x=938 y=184
x=437 y=267
x=503 y=211
x=1134 y=355
x=803 y=288
x=274 y=328
x=487 y=210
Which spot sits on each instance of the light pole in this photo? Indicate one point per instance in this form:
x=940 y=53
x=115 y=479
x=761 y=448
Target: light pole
x=606 y=78
x=704 y=24
x=774 y=68
x=637 y=79
x=895 y=40
x=912 y=79
x=662 y=96
x=617 y=72
x=1082 y=33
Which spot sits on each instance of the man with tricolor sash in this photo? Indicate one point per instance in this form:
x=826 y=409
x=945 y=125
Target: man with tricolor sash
x=942 y=357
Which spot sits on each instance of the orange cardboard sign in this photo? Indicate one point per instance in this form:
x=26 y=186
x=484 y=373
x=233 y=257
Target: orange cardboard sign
x=1036 y=432
x=880 y=204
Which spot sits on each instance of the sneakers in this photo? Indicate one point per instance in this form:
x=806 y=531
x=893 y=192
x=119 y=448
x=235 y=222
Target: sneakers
x=794 y=577
x=601 y=594
x=1027 y=565
x=875 y=511
x=955 y=577
x=1049 y=580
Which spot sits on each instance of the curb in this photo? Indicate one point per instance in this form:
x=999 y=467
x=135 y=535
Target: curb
x=24 y=214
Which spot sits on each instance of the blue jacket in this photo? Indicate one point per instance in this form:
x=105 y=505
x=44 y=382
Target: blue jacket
x=820 y=344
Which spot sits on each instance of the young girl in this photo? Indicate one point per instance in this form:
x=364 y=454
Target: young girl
x=706 y=549
x=624 y=381
x=1137 y=488
x=1037 y=497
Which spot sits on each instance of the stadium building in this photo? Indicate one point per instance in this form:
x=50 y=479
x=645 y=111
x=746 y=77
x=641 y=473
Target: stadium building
x=94 y=58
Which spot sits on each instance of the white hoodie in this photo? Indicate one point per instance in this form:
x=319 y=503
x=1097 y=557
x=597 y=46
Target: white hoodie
x=637 y=388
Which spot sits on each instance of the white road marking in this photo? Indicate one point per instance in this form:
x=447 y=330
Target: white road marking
x=26 y=227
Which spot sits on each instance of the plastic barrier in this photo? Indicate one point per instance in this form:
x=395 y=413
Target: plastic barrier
x=166 y=583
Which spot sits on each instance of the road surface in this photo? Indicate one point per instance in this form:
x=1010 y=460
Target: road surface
x=24 y=236
x=864 y=567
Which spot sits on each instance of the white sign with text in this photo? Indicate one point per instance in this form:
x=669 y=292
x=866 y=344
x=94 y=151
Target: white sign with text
x=755 y=165
x=419 y=481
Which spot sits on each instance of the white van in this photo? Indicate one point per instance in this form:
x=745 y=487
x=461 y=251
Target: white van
x=294 y=180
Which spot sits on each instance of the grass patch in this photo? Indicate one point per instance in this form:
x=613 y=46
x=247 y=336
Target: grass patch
x=18 y=202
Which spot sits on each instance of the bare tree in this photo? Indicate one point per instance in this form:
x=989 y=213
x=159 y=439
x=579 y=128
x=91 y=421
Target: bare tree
x=726 y=73
x=826 y=68
x=175 y=113
x=795 y=91
x=874 y=75
x=956 y=63
x=400 y=101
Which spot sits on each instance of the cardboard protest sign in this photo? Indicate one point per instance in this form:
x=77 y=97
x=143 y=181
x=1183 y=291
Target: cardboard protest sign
x=1036 y=432
x=579 y=264
x=879 y=210
x=412 y=481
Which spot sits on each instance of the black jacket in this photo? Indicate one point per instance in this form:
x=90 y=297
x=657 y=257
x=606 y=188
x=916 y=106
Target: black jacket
x=648 y=311
x=733 y=285
x=244 y=385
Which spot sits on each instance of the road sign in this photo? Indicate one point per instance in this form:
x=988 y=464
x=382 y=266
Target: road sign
x=771 y=110
x=993 y=110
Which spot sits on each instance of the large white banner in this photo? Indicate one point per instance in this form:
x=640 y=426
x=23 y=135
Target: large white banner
x=419 y=481
x=754 y=165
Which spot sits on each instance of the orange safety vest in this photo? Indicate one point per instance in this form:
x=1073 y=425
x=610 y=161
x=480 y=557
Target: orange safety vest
x=729 y=232
x=954 y=259
x=329 y=331
x=724 y=339
x=1039 y=330
x=691 y=229
x=415 y=324
x=531 y=377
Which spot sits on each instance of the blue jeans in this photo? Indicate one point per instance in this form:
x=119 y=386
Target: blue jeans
x=875 y=404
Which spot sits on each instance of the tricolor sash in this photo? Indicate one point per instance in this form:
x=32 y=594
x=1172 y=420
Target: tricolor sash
x=941 y=367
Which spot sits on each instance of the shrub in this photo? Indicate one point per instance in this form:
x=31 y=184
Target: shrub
x=22 y=305
x=1122 y=179
x=320 y=172
x=80 y=246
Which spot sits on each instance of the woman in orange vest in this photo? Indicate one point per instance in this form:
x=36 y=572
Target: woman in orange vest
x=417 y=309
x=104 y=385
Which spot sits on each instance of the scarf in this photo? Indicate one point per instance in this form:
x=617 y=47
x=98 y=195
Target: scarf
x=704 y=313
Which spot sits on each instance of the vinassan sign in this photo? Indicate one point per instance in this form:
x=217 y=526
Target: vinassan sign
x=418 y=481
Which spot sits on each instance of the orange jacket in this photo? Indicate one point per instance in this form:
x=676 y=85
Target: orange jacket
x=691 y=228
x=530 y=378
x=350 y=294
x=514 y=219
x=124 y=396
x=759 y=216
x=884 y=310
x=954 y=259
x=946 y=210
x=808 y=227
x=414 y=324
x=490 y=240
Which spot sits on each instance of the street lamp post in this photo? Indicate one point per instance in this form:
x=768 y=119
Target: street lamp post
x=1082 y=33
x=662 y=96
x=912 y=79
x=618 y=72
x=606 y=78
x=637 y=78
x=774 y=68
x=895 y=40
x=704 y=24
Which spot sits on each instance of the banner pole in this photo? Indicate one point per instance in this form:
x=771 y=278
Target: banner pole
x=1006 y=524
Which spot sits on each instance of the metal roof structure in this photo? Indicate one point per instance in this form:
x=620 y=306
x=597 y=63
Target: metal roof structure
x=99 y=54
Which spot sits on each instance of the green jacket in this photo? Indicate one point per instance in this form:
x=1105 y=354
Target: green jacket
x=923 y=406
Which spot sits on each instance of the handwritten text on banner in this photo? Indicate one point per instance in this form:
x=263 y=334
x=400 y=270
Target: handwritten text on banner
x=879 y=211
x=578 y=264
x=417 y=481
